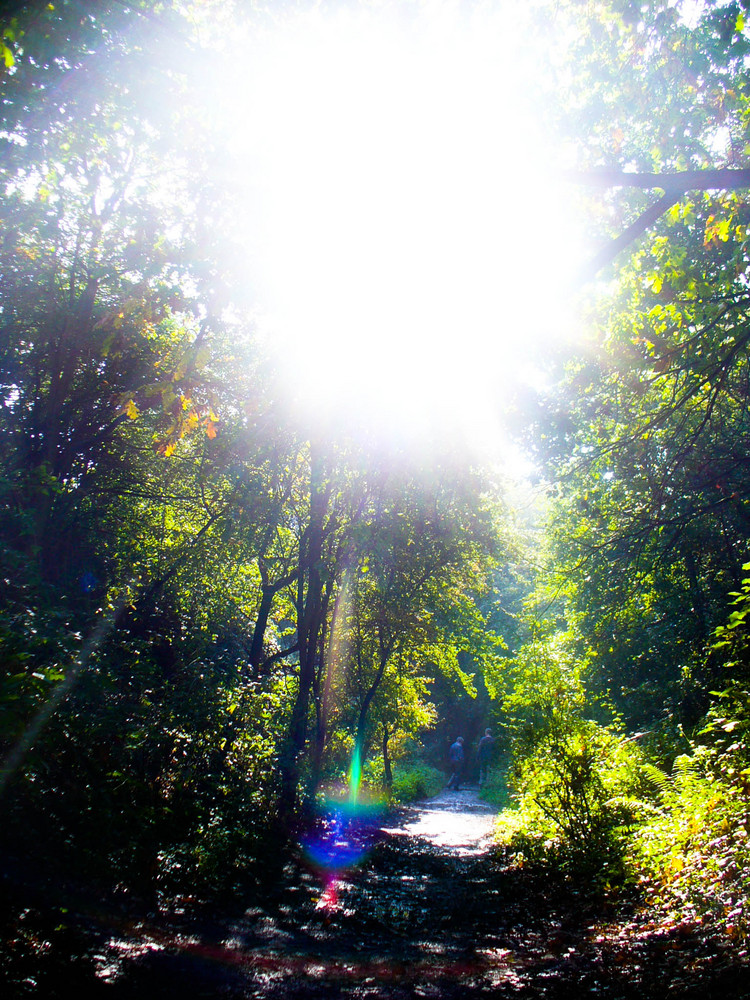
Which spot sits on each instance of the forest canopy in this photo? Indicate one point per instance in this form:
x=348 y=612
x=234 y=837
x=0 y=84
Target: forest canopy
x=367 y=372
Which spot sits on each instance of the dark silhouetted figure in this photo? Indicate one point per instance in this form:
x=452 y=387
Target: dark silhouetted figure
x=484 y=753
x=456 y=756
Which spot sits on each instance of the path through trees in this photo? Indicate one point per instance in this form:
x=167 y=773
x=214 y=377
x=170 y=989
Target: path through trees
x=436 y=915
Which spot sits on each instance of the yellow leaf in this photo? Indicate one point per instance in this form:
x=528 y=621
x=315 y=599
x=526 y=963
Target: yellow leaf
x=131 y=409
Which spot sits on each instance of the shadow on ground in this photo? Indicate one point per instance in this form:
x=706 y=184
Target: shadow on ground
x=429 y=912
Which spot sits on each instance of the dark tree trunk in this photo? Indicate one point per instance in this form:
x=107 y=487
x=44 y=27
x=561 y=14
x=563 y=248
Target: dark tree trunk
x=321 y=690
x=310 y=612
x=359 y=745
x=387 y=772
x=268 y=592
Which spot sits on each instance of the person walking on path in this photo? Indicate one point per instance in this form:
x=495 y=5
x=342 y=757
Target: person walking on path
x=456 y=757
x=484 y=753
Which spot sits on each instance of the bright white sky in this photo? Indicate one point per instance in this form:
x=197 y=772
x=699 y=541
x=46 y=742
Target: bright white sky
x=407 y=238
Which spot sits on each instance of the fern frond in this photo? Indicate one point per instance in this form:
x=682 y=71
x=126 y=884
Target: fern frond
x=685 y=766
x=635 y=806
x=656 y=776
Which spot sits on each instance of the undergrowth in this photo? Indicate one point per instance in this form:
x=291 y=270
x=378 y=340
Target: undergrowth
x=412 y=782
x=692 y=853
x=621 y=811
x=575 y=797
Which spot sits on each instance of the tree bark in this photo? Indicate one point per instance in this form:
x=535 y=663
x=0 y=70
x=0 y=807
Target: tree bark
x=646 y=219
x=268 y=592
x=384 y=656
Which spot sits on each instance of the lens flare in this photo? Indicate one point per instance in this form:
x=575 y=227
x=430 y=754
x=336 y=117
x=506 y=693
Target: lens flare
x=355 y=776
x=343 y=837
x=330 y=898
x=344 y=833
x=347 y=824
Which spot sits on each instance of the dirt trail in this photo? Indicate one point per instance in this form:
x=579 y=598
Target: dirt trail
x=459 y=822
x=428 y=911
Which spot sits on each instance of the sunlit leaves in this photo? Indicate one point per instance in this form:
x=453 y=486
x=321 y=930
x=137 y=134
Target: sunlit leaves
x=695 y=848
x=572 y=795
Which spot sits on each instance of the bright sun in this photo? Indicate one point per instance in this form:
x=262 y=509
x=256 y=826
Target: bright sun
x=408 y=243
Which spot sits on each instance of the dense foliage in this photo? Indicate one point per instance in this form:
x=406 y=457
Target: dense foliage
x=217 y=612
x=210 y=607
x=644 y=439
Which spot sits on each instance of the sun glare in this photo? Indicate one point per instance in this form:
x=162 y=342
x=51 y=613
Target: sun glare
x=407 y=244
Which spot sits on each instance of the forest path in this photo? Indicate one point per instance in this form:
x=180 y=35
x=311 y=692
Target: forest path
x=428 y=911
x=460 y=822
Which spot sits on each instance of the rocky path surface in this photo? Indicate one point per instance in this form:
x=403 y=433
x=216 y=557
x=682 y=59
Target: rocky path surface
x=427 y=910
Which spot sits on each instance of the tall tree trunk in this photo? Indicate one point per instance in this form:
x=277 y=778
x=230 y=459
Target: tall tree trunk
x=387 y=772
x=268 y=592
x=326 y=673
x=310 y=611
x=321 y=691
x=359 y=743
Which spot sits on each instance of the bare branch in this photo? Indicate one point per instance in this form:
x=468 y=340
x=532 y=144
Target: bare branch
x=721 y=179
x=646 y=219
x=674 y=187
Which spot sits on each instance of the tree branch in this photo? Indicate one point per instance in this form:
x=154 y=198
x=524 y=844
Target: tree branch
x=608 y=253
x=721 y=179
x=673 y=185
x=279 y=655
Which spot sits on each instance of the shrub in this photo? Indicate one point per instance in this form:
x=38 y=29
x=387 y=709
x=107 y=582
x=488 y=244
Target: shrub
x=495 y=790
x=577 y=793
x=693 y=852
x=415 y=781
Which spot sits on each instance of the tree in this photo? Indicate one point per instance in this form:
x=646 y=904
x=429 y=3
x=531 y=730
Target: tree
x=657 y=93
x=422 y=561
x=644 y=437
